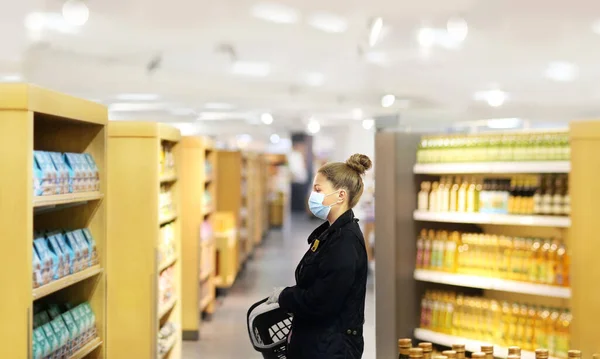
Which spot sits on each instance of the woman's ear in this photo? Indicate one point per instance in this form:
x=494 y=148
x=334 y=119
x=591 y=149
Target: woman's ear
x=342 y=196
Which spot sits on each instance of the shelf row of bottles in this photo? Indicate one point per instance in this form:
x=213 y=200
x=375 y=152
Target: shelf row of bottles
x=59 y=253
x=494 y=147
x=167 y=159
x=540 y=195
x=61 y=173
x=492 y=321
x=535 y=260
x=165 y=202
x=61 y=330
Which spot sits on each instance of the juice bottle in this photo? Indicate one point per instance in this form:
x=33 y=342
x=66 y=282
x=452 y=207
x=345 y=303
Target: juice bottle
x=433 y=197
x=529 y=260
x=423 y=198
x=496 y=327
x=450 y=303
x=562 y=266
x=424 y=305
x=506 y=246
x=541 y=329
x=529 y=341
x=462 y=196
x=451 y=252
x=536 y=262
x=562 y=334
x=551 y=263
x=427 y=249
x=522 y=326
x=513 y=326
x=506 y=320
x=457 y=318
x=453 y=205
x=443 y=194
x=551 y=330
x=543 y=275
x=420 y=248
x=404 y=346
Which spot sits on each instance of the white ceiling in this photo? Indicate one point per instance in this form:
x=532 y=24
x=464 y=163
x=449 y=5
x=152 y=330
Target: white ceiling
x=509 y=45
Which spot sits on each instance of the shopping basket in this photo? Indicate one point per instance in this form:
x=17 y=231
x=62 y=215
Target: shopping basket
x=268 y=328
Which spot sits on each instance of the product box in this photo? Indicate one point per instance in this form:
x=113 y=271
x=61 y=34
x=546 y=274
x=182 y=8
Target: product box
x=63 y=263
x=92 y=319
x=67 y=251
x=77 y=251
x=77 y=173
x=45 y=175
x=48 y=260
x=62 y=335
x=81 y=326
x=83 y=244
x=37 y=270
x=42 y=342
x=50 y=337
x=62 y=171
x=92 y=246
x=72 y=328
x=95 y=174
x=54 y=311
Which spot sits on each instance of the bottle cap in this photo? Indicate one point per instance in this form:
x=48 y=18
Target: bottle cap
x=542 y=353
x=427 y=347
x=416 y=353
x=574 y=353
x=488 y=349
x=478 y=355
x=451 y=354
x=514 y=351
x=459 y=348
x=404 y=343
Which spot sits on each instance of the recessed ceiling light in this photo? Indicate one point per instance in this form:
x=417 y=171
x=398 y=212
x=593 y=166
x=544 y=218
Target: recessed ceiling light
x=313 y=126
x=328 y=22
x=138 y=97
x=504 y=123
x=562 y=71
x=426 y=37
x=494 y=98
x=377 y=58
x=137 y=107
x=255 y=69
x=274 y=138
x=375 y=31
x=388 y=100
x=35 y=21
x=266 y=118
x=182 y=111
x=357 y=113
x=218 y=106
x=314 y=79
x=75 y=12
x=368 y=123
x=277 y=13
x=458 y=29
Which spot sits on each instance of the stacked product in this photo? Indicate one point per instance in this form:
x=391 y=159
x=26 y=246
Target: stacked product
x=541 y=195
x=536 y=260
x=166 y=286
x=494 y=147
x=208 y=169
x=167 y=160
x=57 y=254
x=166 y=205
x=208 y=200
x=166 y=246
x=60 y=173
x=206 y=231
x=60 y=330
x=166 y=335
x=503 y=323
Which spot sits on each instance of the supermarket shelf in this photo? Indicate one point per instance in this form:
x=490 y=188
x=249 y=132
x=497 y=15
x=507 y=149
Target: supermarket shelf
x=168 y=178
x=167 y=218
x=167 y=263
x=206 y=301
x=496 y=284
x=208 y=210
x=65 y=282
x=166 y=308
x=70 y=198
x=494 y=167
x=208 y=179
x=470 y=345
x=170 y=345
x=204 y=276
x=503 y=219
x=87 y=349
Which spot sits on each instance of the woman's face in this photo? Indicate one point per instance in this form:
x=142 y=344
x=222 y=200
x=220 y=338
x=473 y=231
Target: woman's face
x=324 y=186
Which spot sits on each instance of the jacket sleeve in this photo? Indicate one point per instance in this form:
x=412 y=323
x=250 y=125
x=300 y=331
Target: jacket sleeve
x=324 y=298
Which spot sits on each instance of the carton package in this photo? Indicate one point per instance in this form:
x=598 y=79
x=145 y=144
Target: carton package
x=45 y=174
x=42 y=342
x=37 y=270
x=95 y=173
x=72 y=328
x=63 y=263
x=48 y=261
x=92 y=246
x=62 y=336
x=50 y=337
x=83 y=244
x=67 y=251
x=77 y=173
x=62 y=172
x=77 y=251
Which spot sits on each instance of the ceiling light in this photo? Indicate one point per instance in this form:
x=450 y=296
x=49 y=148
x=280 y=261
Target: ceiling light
x=357 y=113
x=426 y=37
x=277 y=13
x=313 y=126
x=375 y=31
x=11 y=78
x=458 y=29
x=182 y=111
x=266 y=118
x=137 y=107
x=218 y=106
x=138 y=97
x=187 y=128
x=255 y=69
x=314 y=79
x=328 y=22
x=75 y=12
x=504 y=123
x=494 y=98
x=35 y=21
x=388 y=100
x=377 y=58
x=274 y=138
x=368 y=123
x=561 y=71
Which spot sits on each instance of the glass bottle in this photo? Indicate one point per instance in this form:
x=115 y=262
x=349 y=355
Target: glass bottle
x=460 y=350
x=488 y=350
x=562 y=266
x=465 y=193
x=427 y=249
x=537 y=197
x=404 y=346
x=451 y=252
x=547 y=196
x=423 y=199
x=558 y=196
x=566 y=199
x=446 y=195
x=427 y=349
x=551 y=263
x=415 y=353
x=562 y=335
x=541 y=354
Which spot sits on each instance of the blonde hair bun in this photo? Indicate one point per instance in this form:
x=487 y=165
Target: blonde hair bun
x=359 y=163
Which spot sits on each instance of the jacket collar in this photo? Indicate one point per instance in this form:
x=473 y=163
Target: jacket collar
x=325 y=228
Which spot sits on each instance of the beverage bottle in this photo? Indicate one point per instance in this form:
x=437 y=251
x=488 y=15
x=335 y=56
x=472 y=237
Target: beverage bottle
x=415 y=353
x=488 y=350
x=433 y=202
x=460 y=350
x=427 y=249
x=530 y=328
x=541 y=336
x=551 y=263
x=451 y=252
x=537 y=197
x=566 y=199
x=440 y=195
x=450 y=354
x=427 y=349
x=404 y=346
x=446 y=195
x=547 y=197
x=423 y=199
x=562 y=337
x=420 y=249
x=544 y=262
x=551 y=322
x=478 y=355
x=514 y=350
x=558 y=196
x=562 y=269
x=461 y=199
x=454 y=195
x=541 y=354
x=512 y=196
x=536 y=262
x=574 y=354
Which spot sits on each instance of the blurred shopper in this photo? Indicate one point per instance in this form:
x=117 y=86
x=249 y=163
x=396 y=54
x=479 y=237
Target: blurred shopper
x=297 y=163
x=328 y=300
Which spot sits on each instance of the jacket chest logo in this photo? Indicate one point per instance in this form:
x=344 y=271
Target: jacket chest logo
x=315 y=245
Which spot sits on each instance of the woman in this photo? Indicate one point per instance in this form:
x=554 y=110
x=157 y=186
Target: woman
x=328 y=300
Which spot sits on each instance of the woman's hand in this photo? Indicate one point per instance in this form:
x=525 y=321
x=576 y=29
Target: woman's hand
x=274 y=298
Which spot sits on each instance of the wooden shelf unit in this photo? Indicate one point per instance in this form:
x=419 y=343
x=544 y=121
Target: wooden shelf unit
x=198 y=252
x=134 y=310
x=399 y=296
x=33 y=118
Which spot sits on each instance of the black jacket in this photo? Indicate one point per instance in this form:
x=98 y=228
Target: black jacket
x=328 y=300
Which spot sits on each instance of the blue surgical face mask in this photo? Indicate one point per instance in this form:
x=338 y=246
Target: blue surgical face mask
x=316 y=206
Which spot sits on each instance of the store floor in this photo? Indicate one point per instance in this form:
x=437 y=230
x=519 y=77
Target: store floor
x=273 y=265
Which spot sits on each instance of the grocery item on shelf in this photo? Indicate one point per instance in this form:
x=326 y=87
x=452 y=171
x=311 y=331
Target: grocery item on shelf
x=55 y=173
x=208 y=169
x=208 y=200
x=536 y=260
x=541 y=195
x=206 y=231
x=166 y=334
x=166 y=286
x=415 y=353
x=166 y=246
x=553 y=146
x=166 y=204
x=404 y=346
x=44 y=174
x=57 y=254
x=167 y=160
x=60 y=330
x=492 y=321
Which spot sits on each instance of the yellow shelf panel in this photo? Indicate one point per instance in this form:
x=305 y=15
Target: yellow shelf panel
x=167 y=219
x=167 y=263
x=208 y=210
x=170 y=345
x=65 y=282
x=168 y=178
x=166 y=308
x=36 y=99
x=208 y=179
x=204 y=276
x=87 y=349
x=60 y=199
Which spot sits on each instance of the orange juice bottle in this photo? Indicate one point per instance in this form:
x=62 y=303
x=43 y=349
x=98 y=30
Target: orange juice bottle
x=529 y=260
x=536 y=264
x=506 y=319
x=563 y=326
x=551 y=330
x=522 y=326
x=551 y=263
x=541 y=329
x=528 y=342
x=544 y=262
x=451 y=252
x=562 y=266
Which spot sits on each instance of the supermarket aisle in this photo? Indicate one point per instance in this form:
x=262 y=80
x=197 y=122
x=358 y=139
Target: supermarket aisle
x=226 y=337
